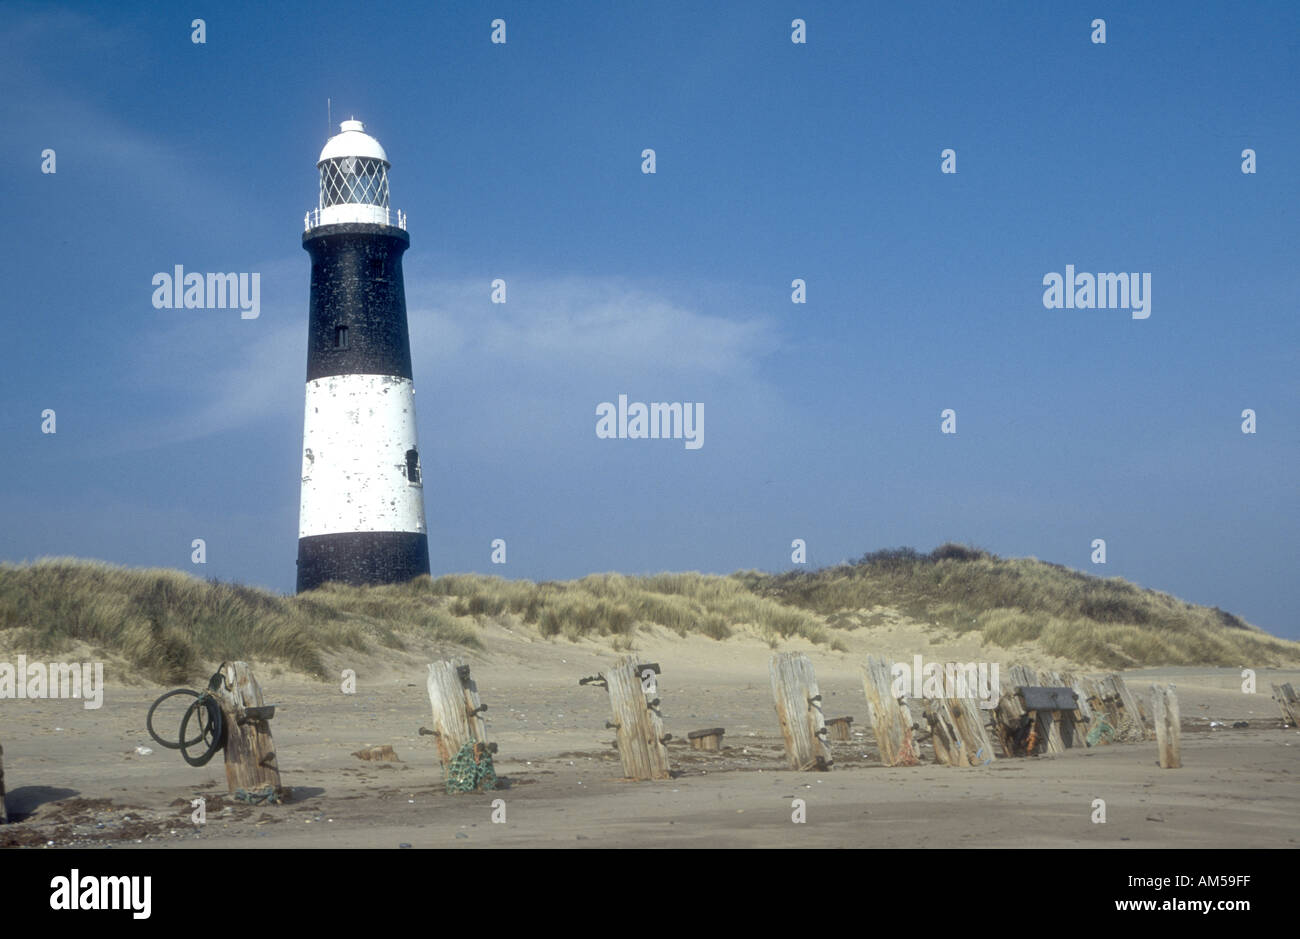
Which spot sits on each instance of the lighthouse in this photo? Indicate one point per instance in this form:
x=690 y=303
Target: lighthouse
x=361 y=515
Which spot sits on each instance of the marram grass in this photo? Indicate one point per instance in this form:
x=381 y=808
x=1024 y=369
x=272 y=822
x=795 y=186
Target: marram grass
x=1103 y=622
x=171 y=625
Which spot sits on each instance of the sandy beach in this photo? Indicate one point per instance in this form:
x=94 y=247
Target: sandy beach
x=75 y=777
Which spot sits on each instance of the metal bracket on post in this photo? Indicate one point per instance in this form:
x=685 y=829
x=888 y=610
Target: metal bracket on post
x=263 y=713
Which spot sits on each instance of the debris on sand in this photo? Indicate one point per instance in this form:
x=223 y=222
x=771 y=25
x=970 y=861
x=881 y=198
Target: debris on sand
x=381 y=754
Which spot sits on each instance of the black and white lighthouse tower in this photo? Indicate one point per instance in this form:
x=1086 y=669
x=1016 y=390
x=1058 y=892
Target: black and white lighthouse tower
x=361 y=518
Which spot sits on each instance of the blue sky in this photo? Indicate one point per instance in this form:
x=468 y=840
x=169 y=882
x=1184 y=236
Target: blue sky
x=775 y=161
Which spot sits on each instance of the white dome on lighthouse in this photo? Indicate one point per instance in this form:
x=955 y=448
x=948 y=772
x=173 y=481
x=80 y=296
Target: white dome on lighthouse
x=353 y=180
x=352 y=141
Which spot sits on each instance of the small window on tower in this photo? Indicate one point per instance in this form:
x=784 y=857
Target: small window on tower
x=376 y=267
x=412 y=465
x=340 y=337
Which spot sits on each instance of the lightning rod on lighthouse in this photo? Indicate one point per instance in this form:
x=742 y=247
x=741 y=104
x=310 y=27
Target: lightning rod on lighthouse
x=361 y=515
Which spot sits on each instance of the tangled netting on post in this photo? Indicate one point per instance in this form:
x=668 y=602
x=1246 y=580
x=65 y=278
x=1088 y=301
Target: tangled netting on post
x=266 y=796
x=1100 y=731
x=471 y=770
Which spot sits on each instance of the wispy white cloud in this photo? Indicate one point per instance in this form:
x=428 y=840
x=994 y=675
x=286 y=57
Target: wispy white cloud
x=599 y=326
x=494 y=376
x=526 y=375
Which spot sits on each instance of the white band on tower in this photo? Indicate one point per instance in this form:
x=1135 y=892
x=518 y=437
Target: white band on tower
x=360 y=468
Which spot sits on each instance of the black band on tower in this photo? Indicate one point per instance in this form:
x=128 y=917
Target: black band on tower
x=362 y=557
x=358 y=301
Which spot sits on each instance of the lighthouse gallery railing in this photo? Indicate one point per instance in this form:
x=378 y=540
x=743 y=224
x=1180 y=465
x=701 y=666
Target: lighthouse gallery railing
x=312 y=219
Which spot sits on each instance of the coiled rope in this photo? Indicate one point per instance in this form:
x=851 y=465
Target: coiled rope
x=206 y=712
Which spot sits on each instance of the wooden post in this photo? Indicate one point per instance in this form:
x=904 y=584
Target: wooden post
x=707 y=739
x=634 y=699
x=250 y=751
x=1003 y=726
x=958 y=734
x=4 y=814
x=1130 y=724
x=1289 y=702
x=453 y=696
x=799 y=711
x=1164 y=710
x=891 y=720
x=1081 y=701
x=1008 y=716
